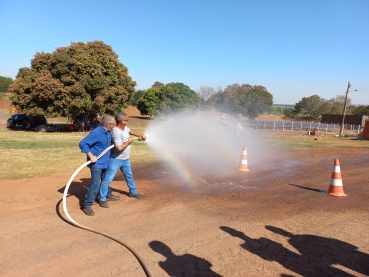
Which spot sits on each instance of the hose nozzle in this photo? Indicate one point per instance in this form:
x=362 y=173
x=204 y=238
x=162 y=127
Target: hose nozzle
x=138 y=138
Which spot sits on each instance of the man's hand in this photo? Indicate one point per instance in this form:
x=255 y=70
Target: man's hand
x=93 y=158
x=142 y=137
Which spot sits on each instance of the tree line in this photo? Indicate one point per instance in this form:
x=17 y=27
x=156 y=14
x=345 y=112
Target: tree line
x=235 y=99
x=88 y=77
x=4 y=83
x=314 y=106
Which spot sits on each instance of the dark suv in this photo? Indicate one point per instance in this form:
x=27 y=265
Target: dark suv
x=22 y=120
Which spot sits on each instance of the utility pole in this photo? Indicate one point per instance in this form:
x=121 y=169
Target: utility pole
x=344 y=110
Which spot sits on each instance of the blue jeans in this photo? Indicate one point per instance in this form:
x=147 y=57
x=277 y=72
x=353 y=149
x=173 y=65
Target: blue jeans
x=97 y=175
x=114 y=165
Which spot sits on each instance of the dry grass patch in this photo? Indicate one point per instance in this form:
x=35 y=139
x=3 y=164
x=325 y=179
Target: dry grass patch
x=27 y=154
x=297 y=140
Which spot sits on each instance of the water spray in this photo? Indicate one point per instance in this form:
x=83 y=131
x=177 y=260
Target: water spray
x=130 y=248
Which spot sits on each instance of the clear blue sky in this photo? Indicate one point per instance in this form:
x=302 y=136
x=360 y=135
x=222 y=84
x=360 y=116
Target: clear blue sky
x=294 y=48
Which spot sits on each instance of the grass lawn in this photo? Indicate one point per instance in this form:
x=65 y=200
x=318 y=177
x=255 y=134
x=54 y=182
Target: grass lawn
x=30 y=154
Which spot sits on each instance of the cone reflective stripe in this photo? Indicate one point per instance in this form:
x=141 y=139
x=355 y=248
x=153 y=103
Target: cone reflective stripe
x=335 y=185
x=243 y=164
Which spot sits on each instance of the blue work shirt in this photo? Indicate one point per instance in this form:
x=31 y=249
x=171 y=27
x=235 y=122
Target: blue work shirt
x=96 y=142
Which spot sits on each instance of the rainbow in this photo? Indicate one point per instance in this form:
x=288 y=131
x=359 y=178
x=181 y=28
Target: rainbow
x=205 y=129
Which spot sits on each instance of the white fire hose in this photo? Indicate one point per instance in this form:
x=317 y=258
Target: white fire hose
x=134 y=252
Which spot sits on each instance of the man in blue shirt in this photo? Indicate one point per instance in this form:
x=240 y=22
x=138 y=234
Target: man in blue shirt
x=93 y=144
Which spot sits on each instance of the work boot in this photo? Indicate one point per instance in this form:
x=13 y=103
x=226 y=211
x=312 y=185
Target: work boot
x=138 y=196
x=88 y=211
x=113 y=198
x=104 y=204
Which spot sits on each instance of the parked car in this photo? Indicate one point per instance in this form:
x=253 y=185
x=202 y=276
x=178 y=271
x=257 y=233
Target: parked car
x=27 y=123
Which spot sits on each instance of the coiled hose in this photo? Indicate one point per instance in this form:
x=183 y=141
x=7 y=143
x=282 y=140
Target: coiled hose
x=134 y=252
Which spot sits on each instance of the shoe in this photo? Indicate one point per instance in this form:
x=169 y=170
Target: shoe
x=104 y=204
x=113 y=198
x=88 y=211
x=138 y=196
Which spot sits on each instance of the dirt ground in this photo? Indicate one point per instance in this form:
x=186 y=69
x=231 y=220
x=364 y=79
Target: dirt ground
x=274 y=220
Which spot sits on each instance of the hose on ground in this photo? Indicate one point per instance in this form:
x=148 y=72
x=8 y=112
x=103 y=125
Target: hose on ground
x=130 y=248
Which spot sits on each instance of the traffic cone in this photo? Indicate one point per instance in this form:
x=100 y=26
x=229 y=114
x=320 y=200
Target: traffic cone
x=335 y=186
x=243 y=164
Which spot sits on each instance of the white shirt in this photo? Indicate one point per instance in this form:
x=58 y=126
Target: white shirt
x=120 y=136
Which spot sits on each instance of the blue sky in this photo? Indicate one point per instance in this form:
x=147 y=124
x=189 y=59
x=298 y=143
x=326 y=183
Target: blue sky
x=294 y=48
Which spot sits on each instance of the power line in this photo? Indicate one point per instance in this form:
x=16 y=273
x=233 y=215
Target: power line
x=360 y=89
x=135 y=58
x=48 y=34
x=33 y=30
x=27 y=37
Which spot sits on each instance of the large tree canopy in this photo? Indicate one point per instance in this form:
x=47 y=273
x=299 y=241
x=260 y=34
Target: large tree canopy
x=243 y=99
x=336 y=104
x=166 y=99
x=313 y=106
x=73 y=80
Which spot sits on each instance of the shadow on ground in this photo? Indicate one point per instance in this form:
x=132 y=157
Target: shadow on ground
x=317 y=254
x=184 y=265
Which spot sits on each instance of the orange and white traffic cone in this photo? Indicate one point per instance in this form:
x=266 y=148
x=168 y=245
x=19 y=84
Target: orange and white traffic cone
x=335 y=186
x=243 y=164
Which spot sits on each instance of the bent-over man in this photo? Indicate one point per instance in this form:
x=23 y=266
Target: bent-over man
x=93 y=144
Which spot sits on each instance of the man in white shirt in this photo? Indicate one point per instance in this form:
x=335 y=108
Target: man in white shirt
x=119 y=159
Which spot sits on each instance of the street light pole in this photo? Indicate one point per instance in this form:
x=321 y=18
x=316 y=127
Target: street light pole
x=344 y=110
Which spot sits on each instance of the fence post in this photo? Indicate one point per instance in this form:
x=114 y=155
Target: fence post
x=283 y=126
x=301 y=127
x=273 y=125
x=358 y=129
x=326 y=129
x=292 y=126
x=318 y=126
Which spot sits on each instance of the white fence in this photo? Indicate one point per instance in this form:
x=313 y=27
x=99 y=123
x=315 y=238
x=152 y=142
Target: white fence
x=300 y=126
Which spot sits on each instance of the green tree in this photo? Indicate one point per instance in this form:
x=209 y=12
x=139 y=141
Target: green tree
x=244 y=99
x=312 y=106
x=74 y=80
x=336 y=104
x=253 y=101
x=148 y=104
x=207 y=101
x=290 y=112
x=135 y=97
x=172 y=97
x=360 y=109
x=4 y=83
